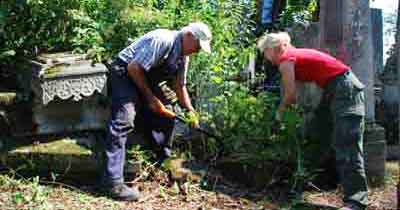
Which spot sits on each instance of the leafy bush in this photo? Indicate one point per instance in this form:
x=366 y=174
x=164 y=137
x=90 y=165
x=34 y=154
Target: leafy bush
x=101 y=28
x=32 y=26
x=299 y=12
x=249 y=129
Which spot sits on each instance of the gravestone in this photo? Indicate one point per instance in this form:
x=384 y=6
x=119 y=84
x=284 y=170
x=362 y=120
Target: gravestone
x=398 y=73
x=377 y=39
x=346 y=30
x=389 y=94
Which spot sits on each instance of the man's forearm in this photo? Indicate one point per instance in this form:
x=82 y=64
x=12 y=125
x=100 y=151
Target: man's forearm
x=286 y=102
x=184 y=97
x=136 y=73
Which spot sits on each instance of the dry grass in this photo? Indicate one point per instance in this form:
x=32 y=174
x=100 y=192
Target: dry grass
x=157 y=194
x=383 y=198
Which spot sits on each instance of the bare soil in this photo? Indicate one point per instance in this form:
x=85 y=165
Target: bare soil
x=159 y=193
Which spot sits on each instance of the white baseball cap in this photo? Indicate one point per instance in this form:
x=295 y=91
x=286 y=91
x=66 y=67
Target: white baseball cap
x=201 y=32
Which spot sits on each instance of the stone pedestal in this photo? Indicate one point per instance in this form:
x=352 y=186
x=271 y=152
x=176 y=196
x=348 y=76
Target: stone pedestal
x=391 y=95
x=375 y=154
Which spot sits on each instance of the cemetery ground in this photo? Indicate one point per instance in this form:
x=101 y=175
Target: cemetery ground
x=24 y=189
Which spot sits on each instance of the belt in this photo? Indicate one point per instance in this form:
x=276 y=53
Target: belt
x=119 y=61
x=348 y=75
x=331 y=85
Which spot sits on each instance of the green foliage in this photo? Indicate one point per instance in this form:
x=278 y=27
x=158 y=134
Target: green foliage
x=191 y=118
x=26 y=192
x=30 y=26
x=298 y=12
x=102 y=28
x=7 y=53
x=244 y=116
x=136 y=153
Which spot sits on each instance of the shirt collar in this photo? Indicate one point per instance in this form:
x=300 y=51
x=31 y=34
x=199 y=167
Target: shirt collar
x=177 y=46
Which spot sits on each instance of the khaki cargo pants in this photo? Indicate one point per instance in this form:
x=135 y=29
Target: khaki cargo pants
x=347 y=109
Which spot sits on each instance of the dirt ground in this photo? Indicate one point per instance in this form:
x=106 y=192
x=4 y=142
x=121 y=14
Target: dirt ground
x=159 y=193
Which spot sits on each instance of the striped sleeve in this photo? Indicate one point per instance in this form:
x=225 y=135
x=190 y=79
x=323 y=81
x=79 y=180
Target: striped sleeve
x=149 y=52
x=182 y=73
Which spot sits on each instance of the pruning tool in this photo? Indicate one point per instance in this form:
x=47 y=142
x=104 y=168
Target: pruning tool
x=218 y=139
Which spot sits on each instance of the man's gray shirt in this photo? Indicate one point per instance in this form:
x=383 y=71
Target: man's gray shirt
x=158 y=49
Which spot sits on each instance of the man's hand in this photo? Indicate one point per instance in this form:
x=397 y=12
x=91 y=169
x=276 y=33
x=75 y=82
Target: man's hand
x=192 y=119
x=157 y=107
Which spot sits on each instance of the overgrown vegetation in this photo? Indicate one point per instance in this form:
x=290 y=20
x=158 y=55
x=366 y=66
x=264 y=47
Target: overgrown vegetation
x=244 y=120
x=102 y=28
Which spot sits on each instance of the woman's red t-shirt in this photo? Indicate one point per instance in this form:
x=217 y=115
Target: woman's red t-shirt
x=314 y=66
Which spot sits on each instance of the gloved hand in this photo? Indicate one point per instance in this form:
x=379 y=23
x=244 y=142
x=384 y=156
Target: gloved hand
x=157 y=107
x=192 y=119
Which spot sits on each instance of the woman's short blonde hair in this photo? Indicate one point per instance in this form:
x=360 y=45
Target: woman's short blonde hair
x=273 y=40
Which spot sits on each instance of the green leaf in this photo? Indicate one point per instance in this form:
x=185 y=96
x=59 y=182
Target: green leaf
x=217 y=80
x=7 y=53
x=217 y=69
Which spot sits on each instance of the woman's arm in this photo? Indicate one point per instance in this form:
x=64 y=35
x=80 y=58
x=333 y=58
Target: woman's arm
x=288 y=84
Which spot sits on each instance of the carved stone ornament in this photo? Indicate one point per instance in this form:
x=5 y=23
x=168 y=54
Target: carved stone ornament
x=75 y=88
x=66 y=76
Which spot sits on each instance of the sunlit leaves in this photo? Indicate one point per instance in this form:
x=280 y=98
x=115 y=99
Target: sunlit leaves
x=298 y=12
x=217 y=80
x=7 y=53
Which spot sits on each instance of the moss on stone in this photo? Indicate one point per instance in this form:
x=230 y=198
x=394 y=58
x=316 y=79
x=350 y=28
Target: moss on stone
x=7 y=98
x=64 y=147
x=51 y=72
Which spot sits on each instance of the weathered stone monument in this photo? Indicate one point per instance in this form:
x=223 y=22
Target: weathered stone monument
x=377 y=39
x=65 y=95
x=72 y=84
x=391 y=99
x=398 y=79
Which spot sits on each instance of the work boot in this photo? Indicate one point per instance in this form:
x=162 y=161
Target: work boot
x=123 y=193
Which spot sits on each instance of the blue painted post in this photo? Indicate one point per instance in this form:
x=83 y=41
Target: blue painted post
x=267 y=12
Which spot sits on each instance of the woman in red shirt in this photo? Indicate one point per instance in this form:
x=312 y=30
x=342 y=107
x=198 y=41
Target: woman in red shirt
x=346 y=104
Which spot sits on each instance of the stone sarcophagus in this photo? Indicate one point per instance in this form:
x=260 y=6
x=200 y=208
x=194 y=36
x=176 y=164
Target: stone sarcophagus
x=69 y=94
x=67 y=77
x=53 y=114
x=66 y=93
